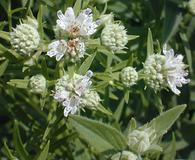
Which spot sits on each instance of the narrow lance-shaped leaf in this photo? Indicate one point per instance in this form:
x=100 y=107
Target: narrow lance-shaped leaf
x=187 y=50
x=77 y=6
x=172 y=20
x=43 y=155
x=3 y=67
x=19 y=83
x=119 y=110
x=5 y=35
x=8 y=152
x=101 y=136
x=40 y=21
x=18 y=143
x=150 y=45
x=86 y=64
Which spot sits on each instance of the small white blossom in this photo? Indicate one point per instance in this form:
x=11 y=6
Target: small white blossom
x=72 y=49
x=70 y=91
x=82 y=25
x=175 y=70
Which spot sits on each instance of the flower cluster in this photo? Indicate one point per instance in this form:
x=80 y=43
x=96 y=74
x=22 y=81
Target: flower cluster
x=74 y=93
x=74 y=29
x=37 y=84
x=25 y=38
x=129 y=76
x=167 y=70
x=141 y=140
x=114 y=37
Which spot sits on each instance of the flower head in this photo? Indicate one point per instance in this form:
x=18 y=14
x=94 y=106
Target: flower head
x=129 y=76
x=82 y=25
x=25 y=37
x=37 y=84
x=73 y=49
x=114 y=36
x=140 y=140
x=167 y=70
x=70 y=91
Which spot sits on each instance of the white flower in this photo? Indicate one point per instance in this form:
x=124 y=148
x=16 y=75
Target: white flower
x=70 y=91
x=61 y=95
x=175 y=70
x=72 y=49
x=83 y=84
x=167 y=70
x=82 y=25
x=57 y=49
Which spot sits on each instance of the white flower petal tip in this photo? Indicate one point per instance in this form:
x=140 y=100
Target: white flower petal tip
x=82 y=25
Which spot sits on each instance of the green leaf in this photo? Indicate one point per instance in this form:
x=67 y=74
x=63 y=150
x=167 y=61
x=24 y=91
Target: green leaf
x=86 y=64
x=18 y=143
x=173 y=17
x=170 y=151
x=8 y=152
x=132 y=37
x=19 y=83
x=101 y=136
x=118 y=112
x=162 y=123
x=77 y=6
x=104 y=110
x=3 y=67
x=187 y=50
x=43 y=155
x=40 y=21
x=150 y=45
x=5 y=35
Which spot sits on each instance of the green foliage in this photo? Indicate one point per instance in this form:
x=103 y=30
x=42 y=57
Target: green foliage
x=32 y=125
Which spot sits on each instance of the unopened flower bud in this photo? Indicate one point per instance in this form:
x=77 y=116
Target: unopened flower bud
x=140 y=140
x=25 y=39
x=114 y=37
x=129 y=76
x=37 y=84
x=191 y=6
